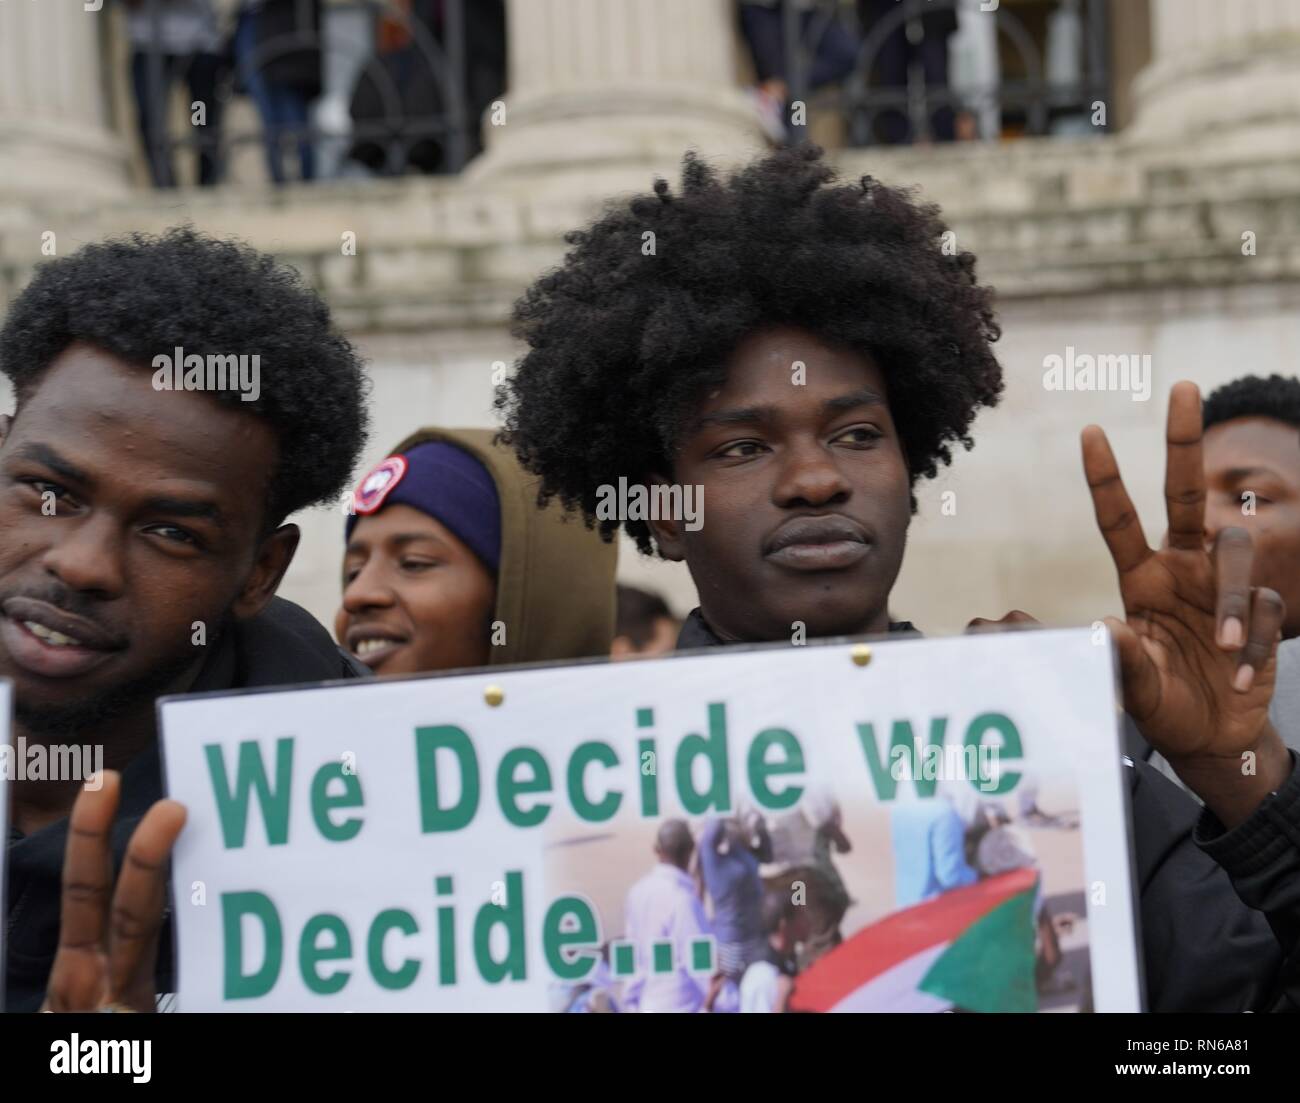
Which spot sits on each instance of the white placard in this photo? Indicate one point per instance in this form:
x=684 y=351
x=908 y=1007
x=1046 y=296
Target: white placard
x=353 y=873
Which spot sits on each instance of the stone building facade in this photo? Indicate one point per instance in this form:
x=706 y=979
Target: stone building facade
x=1176 y=237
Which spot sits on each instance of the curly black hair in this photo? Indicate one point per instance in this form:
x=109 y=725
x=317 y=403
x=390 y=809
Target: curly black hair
x=1276 y=397
x=624 y=339
x=138 y=296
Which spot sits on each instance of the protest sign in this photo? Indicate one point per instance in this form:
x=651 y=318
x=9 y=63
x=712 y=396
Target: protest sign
x=910 y=825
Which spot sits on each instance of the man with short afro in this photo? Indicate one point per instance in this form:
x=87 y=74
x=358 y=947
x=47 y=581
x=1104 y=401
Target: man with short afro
x=141 y=545
x=138 y=297
x=1252 y=476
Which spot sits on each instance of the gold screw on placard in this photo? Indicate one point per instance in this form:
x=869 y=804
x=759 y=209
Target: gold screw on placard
x=494 y=695
x=861 y=654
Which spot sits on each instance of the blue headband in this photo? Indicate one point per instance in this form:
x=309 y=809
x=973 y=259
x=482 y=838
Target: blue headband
x=445 y=482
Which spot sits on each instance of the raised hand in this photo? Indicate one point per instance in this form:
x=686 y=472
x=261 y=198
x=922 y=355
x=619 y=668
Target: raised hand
x=108 y=938
x=1197 y=645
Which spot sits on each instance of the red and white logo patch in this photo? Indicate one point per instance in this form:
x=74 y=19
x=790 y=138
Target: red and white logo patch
x=375 y=487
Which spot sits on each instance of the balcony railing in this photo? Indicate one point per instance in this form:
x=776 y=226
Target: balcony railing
x=392 y=91
x=886 y=96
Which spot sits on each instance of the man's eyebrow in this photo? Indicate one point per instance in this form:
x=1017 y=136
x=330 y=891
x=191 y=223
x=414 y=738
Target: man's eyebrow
x=863 y=396
x=186 y=507
x=48 y=457
x=739 y=415
x=1237 y=474
x=751 y=415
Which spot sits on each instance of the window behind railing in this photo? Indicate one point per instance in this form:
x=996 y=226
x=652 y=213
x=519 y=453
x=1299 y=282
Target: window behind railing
x=934 y=70
x=340 y=87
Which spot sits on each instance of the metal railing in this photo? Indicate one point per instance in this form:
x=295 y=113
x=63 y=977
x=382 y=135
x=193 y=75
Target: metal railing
x=433 y=57
x=862 y=100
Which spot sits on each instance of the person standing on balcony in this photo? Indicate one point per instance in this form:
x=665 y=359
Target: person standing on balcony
x=277 y=50
x=832 y=55
x=171 y=40
x=975 y=73
x=899 y=53
x=410 y=110
x=349 y=41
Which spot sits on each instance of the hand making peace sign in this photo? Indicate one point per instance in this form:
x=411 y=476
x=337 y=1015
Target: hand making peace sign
x=1198 y=643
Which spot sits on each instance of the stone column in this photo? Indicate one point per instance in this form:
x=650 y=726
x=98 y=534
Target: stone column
x=1223 y=75
x=600 y=90
x=55 y=134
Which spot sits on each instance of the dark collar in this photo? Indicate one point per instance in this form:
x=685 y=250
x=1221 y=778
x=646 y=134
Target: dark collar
x=696 y=633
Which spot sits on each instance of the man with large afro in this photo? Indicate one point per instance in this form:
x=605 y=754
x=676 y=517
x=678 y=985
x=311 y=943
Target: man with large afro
x=800 y=351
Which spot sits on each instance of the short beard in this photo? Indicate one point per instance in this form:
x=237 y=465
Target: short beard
x=54 y=722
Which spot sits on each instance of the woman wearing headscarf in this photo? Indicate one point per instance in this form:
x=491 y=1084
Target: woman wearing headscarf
x=450 y=563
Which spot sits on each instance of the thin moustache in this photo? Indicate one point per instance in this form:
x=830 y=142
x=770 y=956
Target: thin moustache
x=816 y=530
x=84 y=631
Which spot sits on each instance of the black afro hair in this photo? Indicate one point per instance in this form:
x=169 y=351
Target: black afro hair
x=139 y=296
x=622 y=338
x=1277 y=397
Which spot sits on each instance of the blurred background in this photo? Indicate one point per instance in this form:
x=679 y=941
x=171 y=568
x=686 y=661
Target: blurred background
x=1127 y=171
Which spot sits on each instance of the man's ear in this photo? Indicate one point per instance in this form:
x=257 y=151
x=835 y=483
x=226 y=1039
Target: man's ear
x=5 y=423
x=273 y=559
x=667 y=531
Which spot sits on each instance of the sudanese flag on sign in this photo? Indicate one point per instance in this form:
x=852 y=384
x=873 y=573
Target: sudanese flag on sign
x=971 y=948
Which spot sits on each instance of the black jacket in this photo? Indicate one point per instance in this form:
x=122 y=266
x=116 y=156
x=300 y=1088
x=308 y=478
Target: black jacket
x=1206 y=947
x=282 y=646
x=1204 y=950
